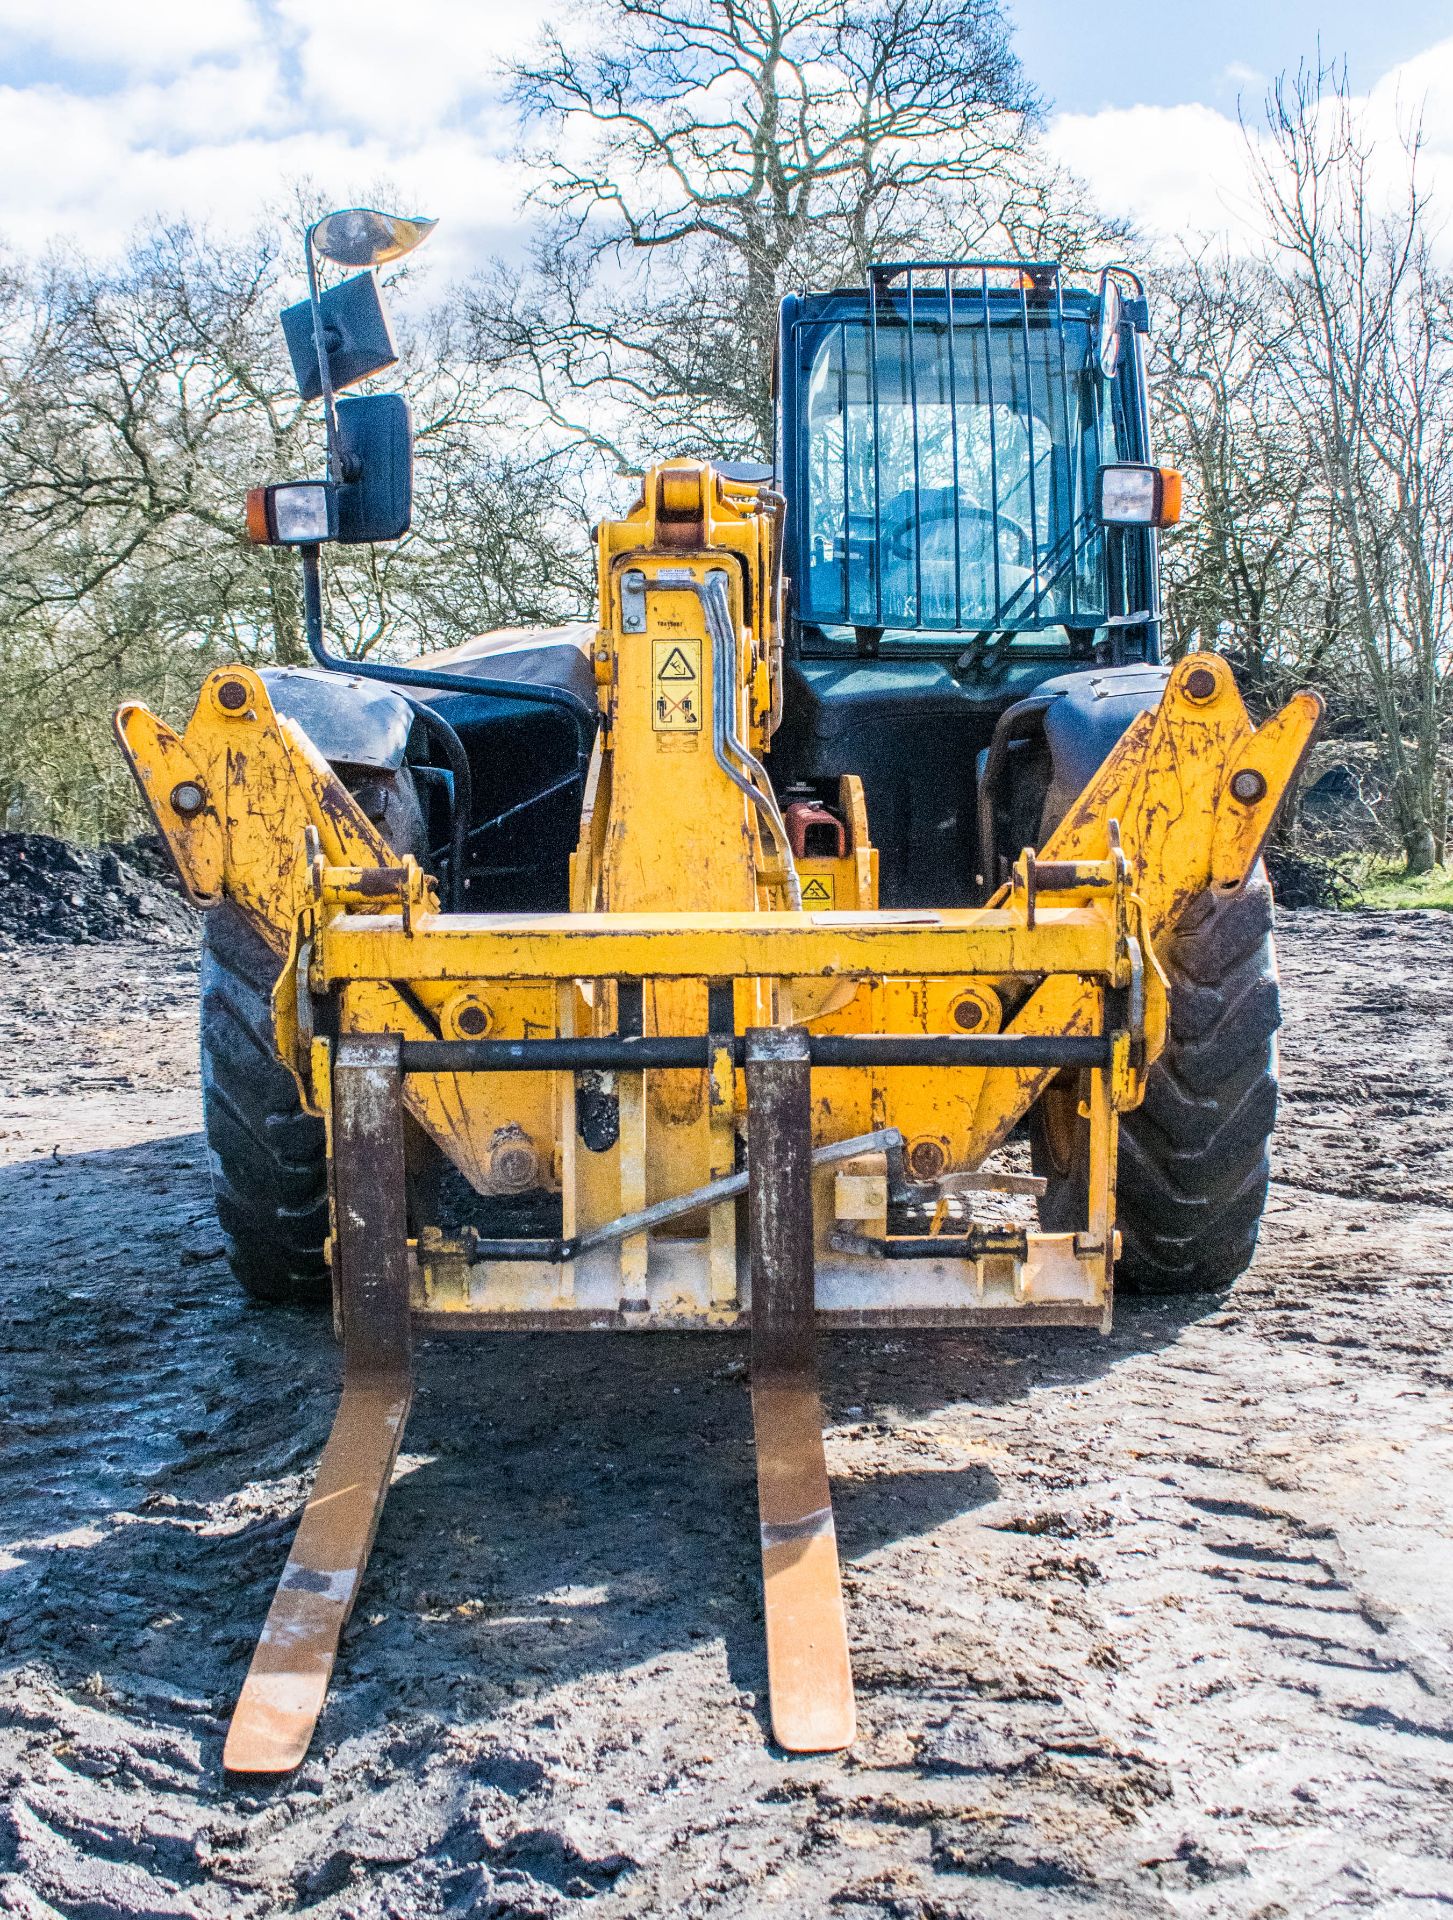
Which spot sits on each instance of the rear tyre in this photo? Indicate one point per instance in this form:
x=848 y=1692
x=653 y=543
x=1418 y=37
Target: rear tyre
x=268 y=1157
x=1195 y=1156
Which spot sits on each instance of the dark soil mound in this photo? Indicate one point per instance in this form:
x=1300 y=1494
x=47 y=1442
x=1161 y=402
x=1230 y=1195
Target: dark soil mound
x=51 y=890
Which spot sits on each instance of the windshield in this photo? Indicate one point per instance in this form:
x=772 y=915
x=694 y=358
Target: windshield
x=950 y=471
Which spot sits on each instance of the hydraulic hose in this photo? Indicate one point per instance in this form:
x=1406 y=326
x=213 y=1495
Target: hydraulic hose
x=1014 y=723
x=586 y=717
x=775 y=503
x=749 y=775
x=752 y=779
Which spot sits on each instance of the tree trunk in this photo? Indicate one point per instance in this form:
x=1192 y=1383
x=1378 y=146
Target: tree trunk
x=1421 y=850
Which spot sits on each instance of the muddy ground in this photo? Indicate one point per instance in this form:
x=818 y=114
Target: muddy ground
x=1159 y=1624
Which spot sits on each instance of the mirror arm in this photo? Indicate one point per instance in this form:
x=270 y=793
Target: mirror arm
x=585 y=716
x=325 y=374
x=313 y=601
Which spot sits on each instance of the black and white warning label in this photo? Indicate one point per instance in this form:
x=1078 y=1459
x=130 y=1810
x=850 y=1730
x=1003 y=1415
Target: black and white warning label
x=676 y=686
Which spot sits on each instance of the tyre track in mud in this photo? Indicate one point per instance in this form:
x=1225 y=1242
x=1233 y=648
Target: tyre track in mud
x=1161 y=1624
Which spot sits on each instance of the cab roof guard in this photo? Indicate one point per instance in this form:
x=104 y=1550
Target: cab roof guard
x=1046 y=272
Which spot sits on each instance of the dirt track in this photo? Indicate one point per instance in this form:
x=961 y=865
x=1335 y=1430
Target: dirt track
x=1155 y=1625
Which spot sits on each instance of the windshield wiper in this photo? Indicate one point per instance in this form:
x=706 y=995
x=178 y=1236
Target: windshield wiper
x=973 y=653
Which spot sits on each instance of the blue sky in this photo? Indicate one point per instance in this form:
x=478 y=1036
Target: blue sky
x=1167 y=52
x=115 y=112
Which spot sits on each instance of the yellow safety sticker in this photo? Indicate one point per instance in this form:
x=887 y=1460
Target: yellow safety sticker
x=818 y=890
x=676 y=686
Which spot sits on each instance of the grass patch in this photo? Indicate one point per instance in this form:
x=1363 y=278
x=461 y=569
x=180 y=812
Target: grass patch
x=1382 y=884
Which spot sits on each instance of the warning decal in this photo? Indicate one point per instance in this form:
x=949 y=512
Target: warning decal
x=676 y=686
x=818 y=890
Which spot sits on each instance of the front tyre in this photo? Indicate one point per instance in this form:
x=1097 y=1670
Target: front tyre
x=269 y=1164
x=1195 y=1159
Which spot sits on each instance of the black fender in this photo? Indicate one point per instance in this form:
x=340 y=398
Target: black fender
x=1086 y=717
x=352 y=722
x=1044 y=751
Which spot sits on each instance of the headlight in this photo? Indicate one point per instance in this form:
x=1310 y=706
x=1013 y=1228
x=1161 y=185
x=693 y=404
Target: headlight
x=1135 y=496
x=296 y=514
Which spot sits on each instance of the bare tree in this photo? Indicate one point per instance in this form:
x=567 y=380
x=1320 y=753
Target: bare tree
x=703 y=157
x=1255 y=569
x=1308 y=393
x=141 y=401
x=1367 y=361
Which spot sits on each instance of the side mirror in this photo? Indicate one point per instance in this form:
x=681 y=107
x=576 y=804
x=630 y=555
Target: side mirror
x=376 y=455
x=374 y=500
x=334 y=340
x=1107 y=336
x=356 y=333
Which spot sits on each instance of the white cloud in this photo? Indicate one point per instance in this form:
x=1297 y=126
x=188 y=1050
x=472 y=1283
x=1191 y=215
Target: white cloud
x=1173 y=170
x=369 y=63
x=72 y=173
x=144 y=36
x=207 y=103
x=332 y=92
x=1187 y=172
x=213 y=109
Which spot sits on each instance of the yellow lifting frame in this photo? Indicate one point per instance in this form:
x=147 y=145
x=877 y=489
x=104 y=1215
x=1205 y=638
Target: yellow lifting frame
x=1064 y=958
x=1165 y=817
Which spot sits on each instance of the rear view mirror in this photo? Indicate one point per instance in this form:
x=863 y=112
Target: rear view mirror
x=376 y=459
x=1107 y=341
x=372 y=500
x=364 y=237
x=356 y=334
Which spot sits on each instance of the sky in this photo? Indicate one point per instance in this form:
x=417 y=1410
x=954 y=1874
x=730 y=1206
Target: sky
x=1149 y=116
x=115 y=111
x=1168 y=55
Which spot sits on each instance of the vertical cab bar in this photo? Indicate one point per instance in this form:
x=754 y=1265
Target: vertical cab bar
x=1029 y=428
x=808 y=1669
x=917 y=457
x=953 y=429
x=993 y=440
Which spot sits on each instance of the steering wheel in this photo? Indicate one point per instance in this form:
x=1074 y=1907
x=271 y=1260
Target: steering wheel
x=941 y=506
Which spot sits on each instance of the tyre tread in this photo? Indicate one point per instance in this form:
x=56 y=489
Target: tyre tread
x=269 y=1177
x=1194 y=1157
